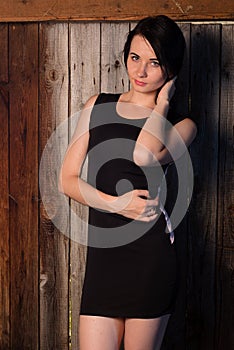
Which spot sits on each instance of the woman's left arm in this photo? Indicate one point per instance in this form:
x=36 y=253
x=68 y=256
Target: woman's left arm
x=160 y=142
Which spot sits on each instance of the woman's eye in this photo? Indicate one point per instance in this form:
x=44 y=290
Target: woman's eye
x=135 y=58
x=155 y=63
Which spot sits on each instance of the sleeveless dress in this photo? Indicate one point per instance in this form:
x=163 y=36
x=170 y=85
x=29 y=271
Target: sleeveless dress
x=131 y=268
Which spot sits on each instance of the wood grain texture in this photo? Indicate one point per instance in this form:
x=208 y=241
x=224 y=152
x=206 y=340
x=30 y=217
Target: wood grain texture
x=44 y=10
x=205 y=72
x=23 y=143
x=4 y=191
x=226 y=161
x=85 y=82
x=175 y=336
x=54 y=245
x=77 y=60
x=225 y=234
x=4 y=65
x=113 y=71
x=181 y=96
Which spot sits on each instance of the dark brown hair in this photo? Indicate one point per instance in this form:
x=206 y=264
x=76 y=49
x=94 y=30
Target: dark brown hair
x=166 y=39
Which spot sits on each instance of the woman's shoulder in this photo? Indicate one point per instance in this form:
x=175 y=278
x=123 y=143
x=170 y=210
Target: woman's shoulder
x=102 y=97
x=91 y=101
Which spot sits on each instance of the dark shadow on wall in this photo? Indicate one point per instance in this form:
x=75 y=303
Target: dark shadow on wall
x=195 y=323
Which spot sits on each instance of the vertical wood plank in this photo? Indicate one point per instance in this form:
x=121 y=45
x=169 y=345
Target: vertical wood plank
x=4 y=190
x=84 y=63
x=4 y=64
x=54 y=246
x=225 y=236
x=175 y=336
x=211 y=213
x=85 y=82
x=183 y=79
x=23 y=45
x=79 y=10
x=205 y=66
x=113 y=73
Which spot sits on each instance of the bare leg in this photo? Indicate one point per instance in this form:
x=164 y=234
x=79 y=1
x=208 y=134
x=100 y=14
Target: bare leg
x=142 y=334
x=100 y=333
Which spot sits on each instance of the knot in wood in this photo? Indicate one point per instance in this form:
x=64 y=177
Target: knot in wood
x=117 y=64
x=53 y=75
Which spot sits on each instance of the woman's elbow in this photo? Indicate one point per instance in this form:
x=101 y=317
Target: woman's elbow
x=194 y=132
x=145 y=158
x=63 y=183
x=191 y=133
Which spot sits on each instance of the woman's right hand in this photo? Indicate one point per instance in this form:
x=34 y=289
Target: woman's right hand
x=137 y=205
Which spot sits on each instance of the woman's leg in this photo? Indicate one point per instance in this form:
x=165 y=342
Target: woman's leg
x=142 y=334
x=100 y=333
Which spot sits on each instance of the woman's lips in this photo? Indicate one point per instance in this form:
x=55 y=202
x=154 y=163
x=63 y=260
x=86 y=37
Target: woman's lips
x=139 y=83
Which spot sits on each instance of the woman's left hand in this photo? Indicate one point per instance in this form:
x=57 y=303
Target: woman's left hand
x=166 y=92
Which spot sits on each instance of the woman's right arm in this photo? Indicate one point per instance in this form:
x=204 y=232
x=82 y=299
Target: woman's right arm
x=70 y=182
x=131 y=204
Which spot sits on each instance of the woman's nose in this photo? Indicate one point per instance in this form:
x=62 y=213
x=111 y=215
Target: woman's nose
x=142 y=71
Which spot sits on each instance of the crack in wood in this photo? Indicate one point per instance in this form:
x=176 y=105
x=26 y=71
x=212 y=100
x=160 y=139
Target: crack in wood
x=178 y=6
x=13 y=198
x=188 y=8
x=48 y=12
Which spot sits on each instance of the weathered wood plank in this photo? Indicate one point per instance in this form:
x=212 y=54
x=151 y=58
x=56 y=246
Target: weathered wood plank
x=54 y=246
x=4 y=190
x=225 y=235
x=45 y=10
x=113 y=72
x=175 y=336
x=225 y=299
x=226 y=184
x=205 y=70
x=210 y=271
x=84 y=62
x=183 y=79
x=85 y=82
x=23 y=67
x=4 y=53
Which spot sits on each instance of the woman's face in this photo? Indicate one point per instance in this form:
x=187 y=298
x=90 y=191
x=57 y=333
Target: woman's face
x=144 y=71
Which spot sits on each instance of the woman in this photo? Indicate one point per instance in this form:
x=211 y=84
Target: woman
x=130 y=282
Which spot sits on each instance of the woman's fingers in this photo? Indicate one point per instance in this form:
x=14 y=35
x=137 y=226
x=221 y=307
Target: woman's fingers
x=142 y=193
x=150 y=211
x=167 y=91
x=137 y=205
x=149 y=218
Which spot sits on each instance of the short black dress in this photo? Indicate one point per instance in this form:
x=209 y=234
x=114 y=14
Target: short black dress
x=131 y=269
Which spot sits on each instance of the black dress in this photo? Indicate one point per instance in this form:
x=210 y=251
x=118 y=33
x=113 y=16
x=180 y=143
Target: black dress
x=131 y=266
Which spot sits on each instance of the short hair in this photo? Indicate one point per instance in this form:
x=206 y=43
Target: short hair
x=166 y=39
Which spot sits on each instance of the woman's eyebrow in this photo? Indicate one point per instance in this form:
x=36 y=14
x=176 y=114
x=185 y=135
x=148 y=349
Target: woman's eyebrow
x=133 y=53
x=151 y=59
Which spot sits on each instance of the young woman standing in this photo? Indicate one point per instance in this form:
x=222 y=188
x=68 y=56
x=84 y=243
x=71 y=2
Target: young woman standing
x=130 y=283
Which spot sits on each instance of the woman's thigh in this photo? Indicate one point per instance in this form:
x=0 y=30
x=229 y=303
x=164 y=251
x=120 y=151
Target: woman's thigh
x=100 y=333
x=142 y=334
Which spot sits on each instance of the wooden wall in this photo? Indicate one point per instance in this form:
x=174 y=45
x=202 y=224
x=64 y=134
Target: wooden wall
x=44 y=10
x=47 y=71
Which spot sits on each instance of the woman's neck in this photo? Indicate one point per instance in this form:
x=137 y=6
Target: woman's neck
x=139 y=98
